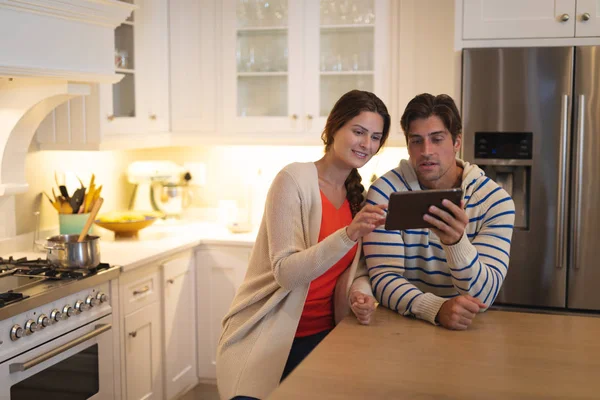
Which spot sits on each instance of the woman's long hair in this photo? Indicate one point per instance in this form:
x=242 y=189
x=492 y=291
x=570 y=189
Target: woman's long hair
x=347 y=107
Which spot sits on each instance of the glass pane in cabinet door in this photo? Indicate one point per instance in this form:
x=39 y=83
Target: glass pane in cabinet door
x=124 y=97
x=262 y=58
x=262 y=96
x=124 y=48
x=262 y=51
x=347 y=12
x=262 y=13
x=334 y=86
x=347 y=42
x=347 y=49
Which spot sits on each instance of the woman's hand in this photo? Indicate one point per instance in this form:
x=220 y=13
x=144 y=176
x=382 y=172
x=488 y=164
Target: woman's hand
x=362 y=306
x=366 y=220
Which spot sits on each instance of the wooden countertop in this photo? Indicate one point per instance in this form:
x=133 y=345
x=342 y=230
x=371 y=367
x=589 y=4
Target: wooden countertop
x=503 y=355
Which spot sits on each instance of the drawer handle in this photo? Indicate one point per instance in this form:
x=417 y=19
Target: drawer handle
x=141 y=291
x=133 y=334
x=171 y=281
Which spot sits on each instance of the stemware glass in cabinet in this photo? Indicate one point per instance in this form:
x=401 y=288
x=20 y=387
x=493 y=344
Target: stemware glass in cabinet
x=262 y=58
x=347 y=40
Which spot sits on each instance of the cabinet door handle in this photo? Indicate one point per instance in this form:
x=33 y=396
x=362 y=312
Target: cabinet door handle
x=564 y=18
x=294 y=116
x=152 y=117
x=141 y=291
x=170 y=281
x=586 y=16
x=309 y=117
x=110 y=117
x=133 y=334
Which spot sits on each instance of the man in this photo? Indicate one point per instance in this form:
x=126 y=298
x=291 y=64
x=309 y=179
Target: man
x=447 y=274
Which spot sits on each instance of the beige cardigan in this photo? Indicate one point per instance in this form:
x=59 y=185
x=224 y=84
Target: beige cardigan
x=260 y=326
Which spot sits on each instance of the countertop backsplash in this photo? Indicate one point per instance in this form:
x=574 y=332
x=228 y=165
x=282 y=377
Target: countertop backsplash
x=237 y=178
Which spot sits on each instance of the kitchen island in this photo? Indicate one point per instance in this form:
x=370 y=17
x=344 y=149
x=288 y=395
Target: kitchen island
x=503 y=355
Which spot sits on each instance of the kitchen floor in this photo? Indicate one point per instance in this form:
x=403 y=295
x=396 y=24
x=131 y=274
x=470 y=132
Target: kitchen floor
x=203 y=391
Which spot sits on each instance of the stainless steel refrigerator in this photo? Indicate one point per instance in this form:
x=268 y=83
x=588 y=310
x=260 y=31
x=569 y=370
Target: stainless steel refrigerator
x=531 y=119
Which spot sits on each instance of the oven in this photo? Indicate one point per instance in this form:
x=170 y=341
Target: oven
x=75 y=366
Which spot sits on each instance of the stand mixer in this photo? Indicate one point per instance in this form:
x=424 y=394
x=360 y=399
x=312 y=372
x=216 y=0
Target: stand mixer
x=159 y=186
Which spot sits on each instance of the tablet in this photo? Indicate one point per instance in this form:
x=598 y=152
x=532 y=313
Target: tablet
x=406 y=209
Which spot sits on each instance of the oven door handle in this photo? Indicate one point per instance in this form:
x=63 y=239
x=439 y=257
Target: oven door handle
x=20 y=367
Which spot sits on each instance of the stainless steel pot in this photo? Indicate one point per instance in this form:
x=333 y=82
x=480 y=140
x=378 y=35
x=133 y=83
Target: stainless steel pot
x=66 y=251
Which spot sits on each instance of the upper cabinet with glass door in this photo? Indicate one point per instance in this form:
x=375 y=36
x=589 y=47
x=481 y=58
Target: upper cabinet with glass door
x=285 y=63
x=262 y=56
x=138 y=104
x=353 y=42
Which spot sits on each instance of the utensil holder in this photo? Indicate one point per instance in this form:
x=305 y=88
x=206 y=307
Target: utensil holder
x=72 y=223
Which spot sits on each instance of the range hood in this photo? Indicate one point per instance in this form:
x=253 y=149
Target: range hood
x=52 y=51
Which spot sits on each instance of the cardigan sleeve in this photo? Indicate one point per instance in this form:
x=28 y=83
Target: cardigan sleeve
x=293 y=261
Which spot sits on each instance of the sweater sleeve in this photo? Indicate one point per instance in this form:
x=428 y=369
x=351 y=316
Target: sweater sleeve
x=293 y=261
x=478 y=266
x=361 y=279
x=384 y=253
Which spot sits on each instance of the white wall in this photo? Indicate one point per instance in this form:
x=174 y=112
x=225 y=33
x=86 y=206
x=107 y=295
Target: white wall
x=427 y=61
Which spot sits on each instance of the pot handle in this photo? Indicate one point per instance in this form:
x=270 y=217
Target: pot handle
x=55 y=247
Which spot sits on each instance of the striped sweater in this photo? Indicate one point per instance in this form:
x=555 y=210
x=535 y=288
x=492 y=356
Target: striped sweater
x=413 y=273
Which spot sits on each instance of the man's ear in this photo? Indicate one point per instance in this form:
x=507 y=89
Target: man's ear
x=457 y=143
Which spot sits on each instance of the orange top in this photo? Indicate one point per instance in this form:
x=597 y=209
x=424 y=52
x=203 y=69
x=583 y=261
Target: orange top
x=317 y=314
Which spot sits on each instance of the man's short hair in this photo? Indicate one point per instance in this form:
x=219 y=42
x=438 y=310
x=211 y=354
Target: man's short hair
x=425 y=105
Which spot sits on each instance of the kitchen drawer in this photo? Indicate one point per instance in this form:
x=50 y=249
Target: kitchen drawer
x=139 y=288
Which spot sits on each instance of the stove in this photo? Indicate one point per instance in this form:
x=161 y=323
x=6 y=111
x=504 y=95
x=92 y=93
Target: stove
x=17 y=275
x=53 y=320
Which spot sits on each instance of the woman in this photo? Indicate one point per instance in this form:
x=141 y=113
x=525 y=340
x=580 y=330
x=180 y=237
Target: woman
x=304 y=274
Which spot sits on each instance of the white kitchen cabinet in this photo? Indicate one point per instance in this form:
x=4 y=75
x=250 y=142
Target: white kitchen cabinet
x=115 y=116
x=193 y=65
x=539 y=19
x=221 y=270
x=143 y=354
x=588 y=18
x=179 y=327
x=284 y=63
x=141 y=359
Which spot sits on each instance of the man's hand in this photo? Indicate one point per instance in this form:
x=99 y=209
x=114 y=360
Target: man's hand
x=452 y=225
x=459 y=312
x=362 y=306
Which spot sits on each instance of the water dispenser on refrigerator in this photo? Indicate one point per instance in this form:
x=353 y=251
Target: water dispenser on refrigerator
x=506 y=158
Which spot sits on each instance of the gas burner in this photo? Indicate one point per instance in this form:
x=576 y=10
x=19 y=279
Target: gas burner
x=24 y=262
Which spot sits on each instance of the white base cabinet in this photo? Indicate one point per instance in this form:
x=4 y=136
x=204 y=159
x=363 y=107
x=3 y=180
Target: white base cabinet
x=142 y=354
x=221 y=271
x=141 y=358
x=159 y=330
x=179 y=327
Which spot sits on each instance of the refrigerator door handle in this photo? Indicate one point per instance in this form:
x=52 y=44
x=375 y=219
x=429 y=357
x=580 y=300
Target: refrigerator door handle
x=561 y=242
x=579 y=177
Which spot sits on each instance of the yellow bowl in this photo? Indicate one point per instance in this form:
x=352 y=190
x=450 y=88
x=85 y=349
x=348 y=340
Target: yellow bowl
x=126 y=223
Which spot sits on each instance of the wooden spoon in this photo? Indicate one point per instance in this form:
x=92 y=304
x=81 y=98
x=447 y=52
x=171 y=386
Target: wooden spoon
x=91 y=218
